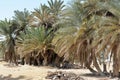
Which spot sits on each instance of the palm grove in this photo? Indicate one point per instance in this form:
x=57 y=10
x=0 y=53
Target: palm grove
x=85 y=31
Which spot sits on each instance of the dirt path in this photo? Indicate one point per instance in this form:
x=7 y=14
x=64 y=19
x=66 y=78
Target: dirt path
x=26 y=72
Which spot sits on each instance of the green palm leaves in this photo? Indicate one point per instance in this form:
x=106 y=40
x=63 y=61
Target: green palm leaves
x=48 y=15
x=4 y=29
x=21 y=17
x=35 y=39
x=55 y=7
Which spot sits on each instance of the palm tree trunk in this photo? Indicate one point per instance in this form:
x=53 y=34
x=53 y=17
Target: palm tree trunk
x=10 y=52
x=104 y=67
x=116 y=65
x=95 y=63
x=88 y=63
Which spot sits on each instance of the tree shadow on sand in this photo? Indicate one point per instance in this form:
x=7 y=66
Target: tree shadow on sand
x=11 y=65
x=94 y=75
x=9 y=77
x=101 y=77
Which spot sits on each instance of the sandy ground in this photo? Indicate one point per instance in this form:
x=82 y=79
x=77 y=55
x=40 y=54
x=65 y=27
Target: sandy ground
x=26 y=72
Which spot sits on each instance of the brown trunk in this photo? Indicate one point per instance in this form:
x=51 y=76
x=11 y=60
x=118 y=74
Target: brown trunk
x=104 y=68
x=88 y=63
x=115 y=65
x=95 y=63
x=91 y=69
x=45 y=62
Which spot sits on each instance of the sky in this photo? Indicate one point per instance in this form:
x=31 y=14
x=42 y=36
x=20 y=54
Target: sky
x=7 y=7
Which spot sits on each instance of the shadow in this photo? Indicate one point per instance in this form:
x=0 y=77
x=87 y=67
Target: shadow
x=10 y=65
x=101 y=77
x=9 y=77
x=1 y=60
x=94 y=75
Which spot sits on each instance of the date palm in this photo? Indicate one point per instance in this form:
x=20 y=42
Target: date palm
x=105 y=16
x=7 y=29
x=107 y=25
x=21 y=18
x=43 y=17
x=56 y=7
x=48 y=15
x=91 y=19
x=11 y=30
x=35 y=39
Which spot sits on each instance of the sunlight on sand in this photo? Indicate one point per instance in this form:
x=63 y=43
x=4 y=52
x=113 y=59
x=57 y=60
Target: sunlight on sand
x=26 y=72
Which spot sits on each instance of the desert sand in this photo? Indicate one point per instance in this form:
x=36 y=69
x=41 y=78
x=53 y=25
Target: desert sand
x=26 y=72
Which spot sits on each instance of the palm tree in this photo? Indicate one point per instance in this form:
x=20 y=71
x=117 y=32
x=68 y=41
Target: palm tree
x=43 y=17
x=11 y=30
x=7 y=29
x=21 y=18
x=56 y=7
x=108 y=24
x=49 y=15
x=92 y=19
x=37 y=42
